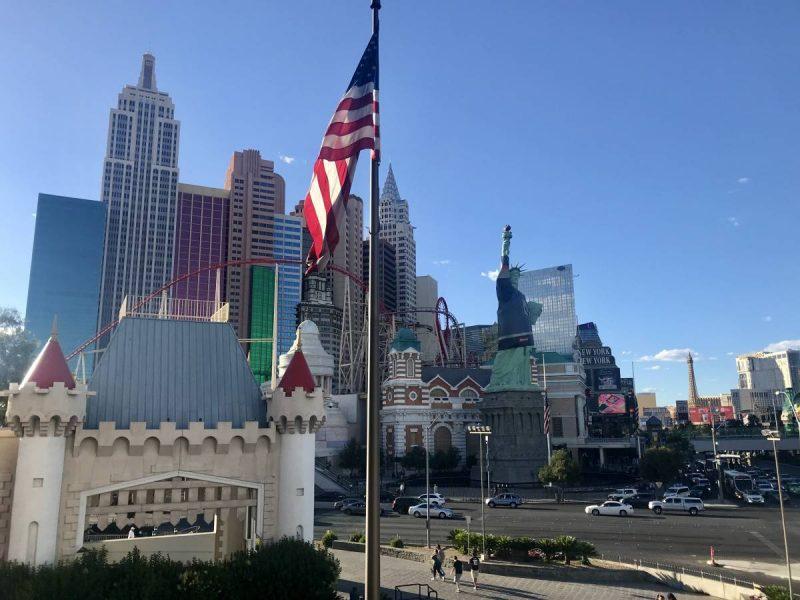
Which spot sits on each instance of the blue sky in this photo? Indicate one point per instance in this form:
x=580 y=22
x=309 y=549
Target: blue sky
x=653 y=146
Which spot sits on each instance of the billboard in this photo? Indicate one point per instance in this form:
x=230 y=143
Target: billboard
x=701 y=415
x=606 y=379
x=611 y=404
x=592 y=357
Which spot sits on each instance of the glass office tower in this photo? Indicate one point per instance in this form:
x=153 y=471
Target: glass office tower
x=65 y=269
x=552 y=287
x=288 y=245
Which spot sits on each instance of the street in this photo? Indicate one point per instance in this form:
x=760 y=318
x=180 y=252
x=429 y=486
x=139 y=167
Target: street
x=749 y=537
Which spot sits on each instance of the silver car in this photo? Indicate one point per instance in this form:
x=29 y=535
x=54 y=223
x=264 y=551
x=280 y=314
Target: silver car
x=511 y=500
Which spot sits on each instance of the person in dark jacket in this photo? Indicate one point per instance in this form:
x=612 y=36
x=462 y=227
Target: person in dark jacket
x=474 y=568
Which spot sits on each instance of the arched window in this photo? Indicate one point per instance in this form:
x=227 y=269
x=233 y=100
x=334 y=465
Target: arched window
x=299 y=533
x=410 y=367
x=438 y=392
x=442 y=439
x=468 y=393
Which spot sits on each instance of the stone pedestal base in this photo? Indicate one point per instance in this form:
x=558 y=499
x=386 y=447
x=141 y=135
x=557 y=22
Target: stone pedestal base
x=517 y=446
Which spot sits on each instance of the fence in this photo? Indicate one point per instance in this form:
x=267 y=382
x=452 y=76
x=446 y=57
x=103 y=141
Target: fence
x=683 y=574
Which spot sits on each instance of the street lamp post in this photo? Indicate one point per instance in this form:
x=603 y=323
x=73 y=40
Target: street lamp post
x=481 y=431
x=428 y=485
x=774 y=437
x=716 y=460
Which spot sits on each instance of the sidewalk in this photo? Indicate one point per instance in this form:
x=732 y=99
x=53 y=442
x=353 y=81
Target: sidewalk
x=396 y=571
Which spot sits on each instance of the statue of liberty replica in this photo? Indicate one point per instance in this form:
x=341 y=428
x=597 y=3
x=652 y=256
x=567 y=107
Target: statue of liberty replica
x=513 y=402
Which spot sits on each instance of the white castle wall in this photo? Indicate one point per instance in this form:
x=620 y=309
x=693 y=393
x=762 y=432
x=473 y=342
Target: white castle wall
x=296 y=489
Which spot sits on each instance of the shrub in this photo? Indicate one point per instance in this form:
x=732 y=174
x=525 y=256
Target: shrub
x=358 y=537
x=776 y=592
x=396 y=542
x=548 y=548
x=567 y=545
x=266 y=572
x=328 y=538
x=586 y=550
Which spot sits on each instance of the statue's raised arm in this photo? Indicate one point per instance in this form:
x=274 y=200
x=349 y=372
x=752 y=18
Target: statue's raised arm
x=506 y=244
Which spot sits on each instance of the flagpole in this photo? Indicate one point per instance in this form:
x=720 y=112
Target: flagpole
x=372 y=564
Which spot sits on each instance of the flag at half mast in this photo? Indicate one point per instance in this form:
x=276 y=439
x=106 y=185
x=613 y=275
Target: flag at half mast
x=353 y=127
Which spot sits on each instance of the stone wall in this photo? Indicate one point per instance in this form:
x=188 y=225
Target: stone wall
x=96 y=458
x=9 y=444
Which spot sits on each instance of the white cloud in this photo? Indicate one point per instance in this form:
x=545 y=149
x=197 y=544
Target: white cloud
x=712 y=358
x=626 y=352
x=783 y=345
x=743 y=180
x=767 y=319
x=670 y=355
x=33 y=215
x=445 y=261
x=287 y=159
x=650 y=389
x=734 y=221
x=491 y=274
x=654 y=368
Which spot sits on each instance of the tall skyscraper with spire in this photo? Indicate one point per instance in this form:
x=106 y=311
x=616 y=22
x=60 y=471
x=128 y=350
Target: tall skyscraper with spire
x=139 y=189
x=396 y=229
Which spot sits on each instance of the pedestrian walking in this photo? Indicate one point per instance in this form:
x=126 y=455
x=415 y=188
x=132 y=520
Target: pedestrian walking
x=436 y=568
x=474 y=568
x=440 y=553
x=458 y=570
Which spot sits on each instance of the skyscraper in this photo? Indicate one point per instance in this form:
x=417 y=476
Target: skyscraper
x=387 y=273
x=201 y=240
x=139 y=189
x=427 y=297
x=65 y=269
x=288 y=245
x=257 y=195
x=552 y=287
x=396 y=229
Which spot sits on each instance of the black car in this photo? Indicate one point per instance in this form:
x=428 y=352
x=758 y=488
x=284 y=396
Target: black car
x=640 y=500
x=401 y=504
x=700 y=491
x=326 y=496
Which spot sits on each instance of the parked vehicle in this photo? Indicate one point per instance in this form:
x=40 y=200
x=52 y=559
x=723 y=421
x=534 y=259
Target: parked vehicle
x=511 y=500
x=435 y=499
x=358 y=508
x=326 y=496
x=622 y=494
x=401 y=504
x=677 y=504
x=440 y=512
x=609 y=507
x=701 y=481
x=676 y=490
x=340 y=504
x=640 y=500
x=698 y=491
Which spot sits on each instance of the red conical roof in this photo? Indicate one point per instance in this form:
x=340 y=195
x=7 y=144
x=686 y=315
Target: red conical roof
x=49 y=367
x=297 y=375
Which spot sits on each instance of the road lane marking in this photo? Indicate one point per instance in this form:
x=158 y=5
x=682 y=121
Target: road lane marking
x=760 y=537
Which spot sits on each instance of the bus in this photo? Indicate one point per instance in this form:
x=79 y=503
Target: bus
x=736 y=481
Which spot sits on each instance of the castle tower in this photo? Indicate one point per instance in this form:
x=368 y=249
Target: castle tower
x=298 y=411
x=319 y=361
x=43 y=411
x=693 y=397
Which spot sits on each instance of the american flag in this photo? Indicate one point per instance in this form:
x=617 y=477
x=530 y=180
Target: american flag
x=353 y=127
x=546 y=414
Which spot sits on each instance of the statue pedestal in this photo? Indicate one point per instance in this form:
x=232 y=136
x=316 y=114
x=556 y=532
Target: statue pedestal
x=517 y=446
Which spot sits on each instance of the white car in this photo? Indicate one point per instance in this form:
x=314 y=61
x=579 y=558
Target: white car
x=435 y=499
x=421 y=510
x=610 y=507
x=676 y=490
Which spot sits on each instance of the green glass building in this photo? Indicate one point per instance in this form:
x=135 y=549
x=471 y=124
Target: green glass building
x=262 y=320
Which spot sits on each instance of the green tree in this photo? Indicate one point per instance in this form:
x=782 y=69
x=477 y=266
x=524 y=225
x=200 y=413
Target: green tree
x=16 y=351
x=414 y=459
x=352 y=456
x=660 y=464
x=445 y=460
x=679 y=441
x=562 y=470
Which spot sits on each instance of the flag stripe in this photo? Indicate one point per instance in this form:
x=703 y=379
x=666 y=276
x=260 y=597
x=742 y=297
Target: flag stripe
x=353 y=127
